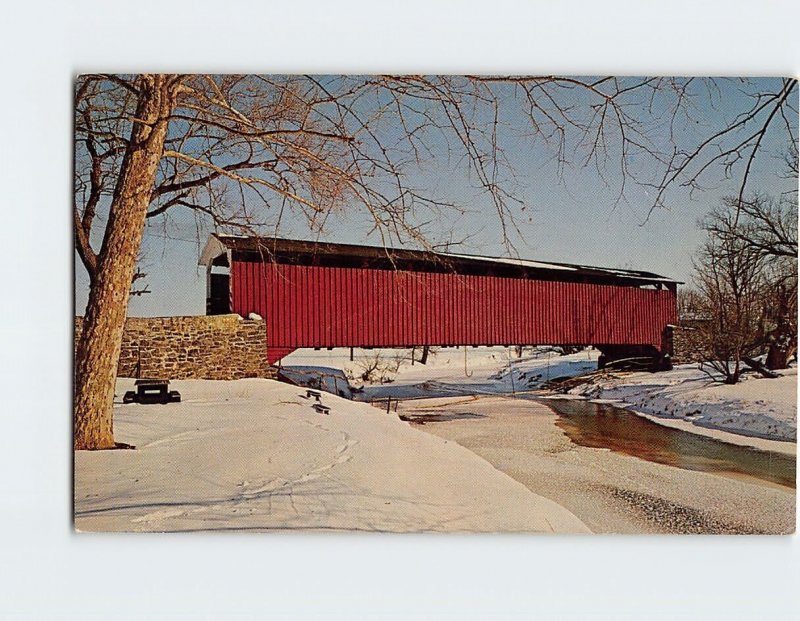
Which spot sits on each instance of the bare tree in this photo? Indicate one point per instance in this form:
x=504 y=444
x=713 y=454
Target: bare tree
x=775 y=224
x=111 y=270
x=781 y=314
x=242 y=151
x=767 y=228
x=746 y=275
x=375 y=367
x=766 y=225
x=423 y=358
x=139 y=275
x=426 y=350
x=731 y=285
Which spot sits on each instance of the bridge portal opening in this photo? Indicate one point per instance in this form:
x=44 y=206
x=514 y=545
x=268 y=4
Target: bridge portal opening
x=219 y=296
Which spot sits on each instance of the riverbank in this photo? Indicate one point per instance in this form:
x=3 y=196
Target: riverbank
x=451 y=371
x=785 y=447
x=757 y=412
x=253 y=455
x=608 y=491
x=756 y=408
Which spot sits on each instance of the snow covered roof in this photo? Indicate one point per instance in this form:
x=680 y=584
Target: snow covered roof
x=510 y=261
x=219 y=247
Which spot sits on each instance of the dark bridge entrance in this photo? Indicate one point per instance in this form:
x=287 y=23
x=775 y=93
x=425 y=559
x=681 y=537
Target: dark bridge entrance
x=314 y=294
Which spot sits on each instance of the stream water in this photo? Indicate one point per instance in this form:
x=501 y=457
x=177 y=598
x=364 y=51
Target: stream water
x=600 y=425
x=607 y=426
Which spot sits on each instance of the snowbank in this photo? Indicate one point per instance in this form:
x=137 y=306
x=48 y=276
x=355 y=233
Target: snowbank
x=254 y=455
x=468 y=365
x=480 y=370
x=487 y=373
x=757 y=407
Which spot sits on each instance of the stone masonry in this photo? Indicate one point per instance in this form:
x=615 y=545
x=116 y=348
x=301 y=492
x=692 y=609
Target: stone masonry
x=687 y=343
x=219 y=347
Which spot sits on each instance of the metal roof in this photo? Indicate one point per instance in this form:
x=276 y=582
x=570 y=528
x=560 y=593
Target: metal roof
x=282 y=250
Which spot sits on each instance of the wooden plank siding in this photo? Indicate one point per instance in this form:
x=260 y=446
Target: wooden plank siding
x=311 y=306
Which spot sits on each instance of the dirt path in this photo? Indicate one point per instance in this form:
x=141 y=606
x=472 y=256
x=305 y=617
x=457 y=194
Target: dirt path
x=609 y=492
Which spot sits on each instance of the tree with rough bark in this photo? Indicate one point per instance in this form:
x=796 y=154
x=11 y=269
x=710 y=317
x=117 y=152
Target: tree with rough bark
x=111 y=270
x=240 y=152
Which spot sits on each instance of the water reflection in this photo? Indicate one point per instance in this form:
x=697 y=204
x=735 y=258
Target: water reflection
x=600 y=425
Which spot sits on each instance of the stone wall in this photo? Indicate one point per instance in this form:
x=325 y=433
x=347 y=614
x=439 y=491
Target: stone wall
x=220 y=347
x=686 y=343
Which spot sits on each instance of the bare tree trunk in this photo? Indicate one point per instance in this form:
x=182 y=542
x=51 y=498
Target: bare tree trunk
x=777 y=358
x=100 y=341
x=424 y=359
x=760 y=368
x=782 y=339
x=732 y=377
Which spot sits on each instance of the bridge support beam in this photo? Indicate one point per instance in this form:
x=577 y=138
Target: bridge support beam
x=634 y=357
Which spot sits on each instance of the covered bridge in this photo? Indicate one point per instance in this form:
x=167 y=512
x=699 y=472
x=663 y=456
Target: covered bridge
x=318 y=294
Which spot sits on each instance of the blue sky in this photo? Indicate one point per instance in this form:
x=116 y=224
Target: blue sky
x=573 y=218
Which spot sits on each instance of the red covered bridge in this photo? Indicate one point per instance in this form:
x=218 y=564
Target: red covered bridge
x=315 y=294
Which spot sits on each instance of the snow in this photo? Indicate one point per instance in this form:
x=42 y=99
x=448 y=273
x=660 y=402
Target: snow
x=756 y=407
x=620 y=273
x=330 y=380
x=510 y=261
x=684 y=397
x=253 y=455
x=480 y=370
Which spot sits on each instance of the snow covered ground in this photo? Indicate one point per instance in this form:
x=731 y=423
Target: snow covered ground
x=451 y=371
x=254 y=455
x=757 y=407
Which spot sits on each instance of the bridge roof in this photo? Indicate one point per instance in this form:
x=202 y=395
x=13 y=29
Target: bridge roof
x=281 y=250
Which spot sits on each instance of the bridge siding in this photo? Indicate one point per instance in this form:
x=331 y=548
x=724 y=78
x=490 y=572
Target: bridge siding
x=307 y=306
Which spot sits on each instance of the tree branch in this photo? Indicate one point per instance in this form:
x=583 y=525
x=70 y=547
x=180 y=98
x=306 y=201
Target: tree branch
x=84 y=248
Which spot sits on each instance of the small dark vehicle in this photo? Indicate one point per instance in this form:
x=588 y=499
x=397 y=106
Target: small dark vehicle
x=152 y=391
